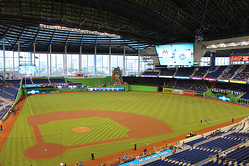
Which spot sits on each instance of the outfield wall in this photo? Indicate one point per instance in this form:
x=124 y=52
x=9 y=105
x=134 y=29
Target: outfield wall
x=179 y=91
x=93 y=82
x=143 y=88
x=216 y=94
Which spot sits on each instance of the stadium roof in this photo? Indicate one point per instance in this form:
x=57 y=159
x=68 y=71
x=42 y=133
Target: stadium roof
x=137 y=22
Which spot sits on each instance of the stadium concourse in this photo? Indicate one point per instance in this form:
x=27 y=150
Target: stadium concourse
x=113 y=159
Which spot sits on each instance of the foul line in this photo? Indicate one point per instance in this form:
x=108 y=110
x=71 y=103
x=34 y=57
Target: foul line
x=141 y=141
x=29 y=105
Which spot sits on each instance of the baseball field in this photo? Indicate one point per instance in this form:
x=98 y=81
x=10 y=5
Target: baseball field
x=67 y=127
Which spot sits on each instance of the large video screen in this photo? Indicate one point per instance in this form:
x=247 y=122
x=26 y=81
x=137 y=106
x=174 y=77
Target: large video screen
x=32 y=92
x=27 y=69
x=224 y=98
x=176 y=54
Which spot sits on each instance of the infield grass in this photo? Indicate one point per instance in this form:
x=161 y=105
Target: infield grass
x=100 y=129
x=181 y=113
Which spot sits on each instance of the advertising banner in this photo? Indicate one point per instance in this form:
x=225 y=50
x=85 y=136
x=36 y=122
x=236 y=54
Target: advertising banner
x=238 y=82
x=148 y=158
x=238 y=58
x=199 y=94
x=33 y=92
x=177 y=91
x=221 y=80
x=148 y=75
x=181 y=77
x=106 y=89
x=29 y=85
x=188 y=92
x=165 y=90
x=224 y=98
x=166 y=76
x=210 y=79
x=196 y=78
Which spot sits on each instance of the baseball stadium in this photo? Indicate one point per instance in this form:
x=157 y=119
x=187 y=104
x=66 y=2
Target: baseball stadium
x=124 y=83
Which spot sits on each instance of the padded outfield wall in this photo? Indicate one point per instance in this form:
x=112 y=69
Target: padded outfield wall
x=143 y=88
x=93 y=82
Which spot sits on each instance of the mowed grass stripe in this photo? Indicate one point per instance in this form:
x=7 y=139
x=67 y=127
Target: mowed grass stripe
x=181 y=113
x=100 y=129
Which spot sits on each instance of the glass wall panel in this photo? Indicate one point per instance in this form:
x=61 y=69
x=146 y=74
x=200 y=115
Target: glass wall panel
x=131 y=65
x=9 y=60
x=57 y=64
x=16 y=64
x=116 y=61
x=102 y=65
x=106 y=65
x=205 y=61
x=222 y=61
x=41 y=65
x=75 y=63
x=84 y=63
x=91 y=65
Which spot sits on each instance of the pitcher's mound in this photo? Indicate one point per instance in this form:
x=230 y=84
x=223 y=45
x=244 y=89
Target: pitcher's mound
x=81 y=129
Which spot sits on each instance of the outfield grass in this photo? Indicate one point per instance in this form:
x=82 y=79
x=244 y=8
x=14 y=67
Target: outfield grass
x=181 y=113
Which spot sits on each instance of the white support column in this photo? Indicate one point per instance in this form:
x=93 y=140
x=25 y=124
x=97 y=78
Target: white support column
x=4 y=70
x=95 y=54
x=30 y=59
x=87 y=64
x=124 y=62
x=55 y=59
x=102 y=63
x=39 y=60
x=48 y=65
x=80 y=60
x=50 y=61
x=138 y=59
x=13 y=62
x=65 y=57
x=34 y=53
x=110 y=60
x=18 y=58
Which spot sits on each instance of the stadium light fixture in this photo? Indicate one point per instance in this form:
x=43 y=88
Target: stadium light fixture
x=62 y=28
x=234 y=44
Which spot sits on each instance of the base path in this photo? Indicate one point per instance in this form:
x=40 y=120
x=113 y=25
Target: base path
x=140 y=127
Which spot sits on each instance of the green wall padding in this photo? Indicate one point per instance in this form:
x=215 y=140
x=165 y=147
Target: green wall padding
x=143 y=88
x=95 y=82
